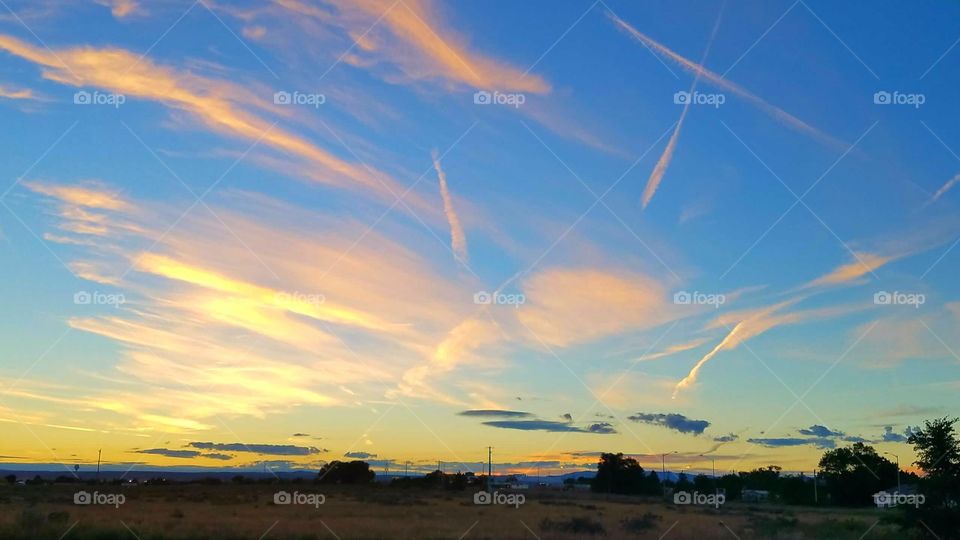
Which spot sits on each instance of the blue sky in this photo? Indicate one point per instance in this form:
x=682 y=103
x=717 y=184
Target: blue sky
x=257 y=268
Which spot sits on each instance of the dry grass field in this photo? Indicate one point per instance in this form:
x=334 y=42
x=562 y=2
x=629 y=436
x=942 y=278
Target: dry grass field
x=249 y=512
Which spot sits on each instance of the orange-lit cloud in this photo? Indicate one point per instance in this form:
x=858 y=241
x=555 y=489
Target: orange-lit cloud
x=569 y=306
x=16 y=93
x=122 y=8
x=422 y=45
x=864 y=264
x=220 y=105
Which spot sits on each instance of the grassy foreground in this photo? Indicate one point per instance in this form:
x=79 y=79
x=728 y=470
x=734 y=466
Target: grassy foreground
x=248 y=512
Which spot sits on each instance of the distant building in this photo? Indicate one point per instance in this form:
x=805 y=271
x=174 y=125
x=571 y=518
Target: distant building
x=755 y=495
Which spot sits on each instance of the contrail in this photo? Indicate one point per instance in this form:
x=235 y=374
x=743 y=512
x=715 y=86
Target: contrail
x=692 y=376
x=458 y=239
x=945 y=188
x=661 y=167
x=718 y=80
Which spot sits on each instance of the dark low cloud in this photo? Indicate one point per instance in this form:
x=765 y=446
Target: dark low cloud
x=794 y=441
x=263 y=449
x=183 y=454
x=817 y=430
x=602 y=427
x=548 y=425
x=729 y=437
x=567 y=416
x=675 y=421
x=360 y=455
x=891 y=436
x=301 y=435
x=495 y=413
x=221 y=457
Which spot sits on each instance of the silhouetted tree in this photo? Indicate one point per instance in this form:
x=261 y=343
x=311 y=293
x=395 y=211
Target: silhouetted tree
x=339 y=472
x=938 y=456
x=732 y=484
x=855 y=473
x=617 y=473
x=10 y=478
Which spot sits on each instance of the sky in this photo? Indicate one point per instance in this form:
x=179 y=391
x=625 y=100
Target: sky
x=237 y=234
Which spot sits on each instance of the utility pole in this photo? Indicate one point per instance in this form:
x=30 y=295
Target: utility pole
x=816 y=499
x=489 y=467
x=898 y=469
x=99 y=455
x=663 y=470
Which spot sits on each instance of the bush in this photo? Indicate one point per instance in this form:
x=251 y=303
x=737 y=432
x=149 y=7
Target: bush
x=577 y=525
x=638 y=525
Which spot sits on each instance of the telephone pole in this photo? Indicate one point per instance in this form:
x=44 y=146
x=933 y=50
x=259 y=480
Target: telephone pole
x=489 y=467
x=99 y=455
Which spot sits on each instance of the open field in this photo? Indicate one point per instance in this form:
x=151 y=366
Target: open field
x=249 y=511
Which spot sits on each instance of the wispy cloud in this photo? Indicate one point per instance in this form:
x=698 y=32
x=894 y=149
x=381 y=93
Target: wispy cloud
x=421 y=44
x=457 y=237
x=16 y=93
x=566 y=306
x=122 y=8
x=220 y=105
x=865 y=263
